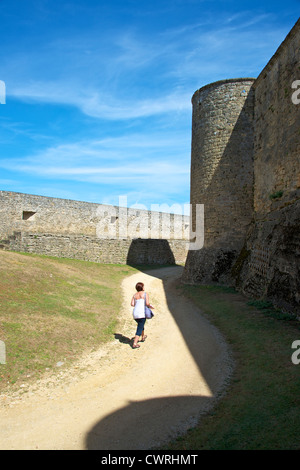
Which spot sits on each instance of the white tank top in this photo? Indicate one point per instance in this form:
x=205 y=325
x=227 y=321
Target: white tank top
x=139 y=308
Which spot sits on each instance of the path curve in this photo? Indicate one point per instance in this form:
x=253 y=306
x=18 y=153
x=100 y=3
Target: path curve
x=120 y=398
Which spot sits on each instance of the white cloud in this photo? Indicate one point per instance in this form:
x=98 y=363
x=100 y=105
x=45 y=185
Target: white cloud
x=133 y=75
x=126 y=160
x=96 y=104
x=137 y=78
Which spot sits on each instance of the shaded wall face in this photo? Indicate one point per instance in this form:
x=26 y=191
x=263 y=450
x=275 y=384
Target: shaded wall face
x=277 y=130
x=266 y=261
x=272 y=268
x=270 y=262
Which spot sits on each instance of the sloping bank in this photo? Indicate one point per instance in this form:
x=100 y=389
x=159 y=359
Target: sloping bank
x=125 y=398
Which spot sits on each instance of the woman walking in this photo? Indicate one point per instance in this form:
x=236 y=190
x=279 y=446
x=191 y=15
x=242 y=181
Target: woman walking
x=139 y=301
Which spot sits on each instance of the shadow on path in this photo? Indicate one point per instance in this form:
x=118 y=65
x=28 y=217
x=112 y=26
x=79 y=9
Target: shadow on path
x=140 y=419
x=145 y=424
x=123 y=339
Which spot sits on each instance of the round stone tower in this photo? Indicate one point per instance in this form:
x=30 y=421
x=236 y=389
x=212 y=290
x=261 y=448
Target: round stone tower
x=221 y=175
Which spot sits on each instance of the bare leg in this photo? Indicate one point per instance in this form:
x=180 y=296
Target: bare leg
x=135 y=341
x=143 y=336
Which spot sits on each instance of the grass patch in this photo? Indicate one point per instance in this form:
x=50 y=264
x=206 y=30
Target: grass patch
x=53 y=310
x=261 y=409
x=268 y=309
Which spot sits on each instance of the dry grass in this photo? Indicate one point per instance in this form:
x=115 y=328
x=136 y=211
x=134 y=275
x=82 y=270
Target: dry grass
x=53 y=310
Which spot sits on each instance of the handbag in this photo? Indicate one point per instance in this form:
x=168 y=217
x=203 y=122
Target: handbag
x=148 y=312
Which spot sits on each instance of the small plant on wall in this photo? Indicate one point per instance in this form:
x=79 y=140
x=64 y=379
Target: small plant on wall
x=276 y=195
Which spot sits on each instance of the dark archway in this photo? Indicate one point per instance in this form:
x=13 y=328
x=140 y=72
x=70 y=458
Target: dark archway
x=144 y=251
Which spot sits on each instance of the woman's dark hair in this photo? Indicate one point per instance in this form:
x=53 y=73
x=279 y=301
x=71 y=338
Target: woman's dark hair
x=139 y=286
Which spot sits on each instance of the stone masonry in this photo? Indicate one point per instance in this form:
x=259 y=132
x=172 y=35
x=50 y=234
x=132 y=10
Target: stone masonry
x=90 y=231
x=245 y=170
x=222 y=173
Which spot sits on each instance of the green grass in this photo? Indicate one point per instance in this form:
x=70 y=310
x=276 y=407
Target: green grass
x=261 y=408
x=53 y=310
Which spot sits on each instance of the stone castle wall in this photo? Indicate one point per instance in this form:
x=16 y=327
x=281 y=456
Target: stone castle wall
x=277 y=128
x=245 y=169
x=272 y=267
x=109 y=251
x=90 y=231
x=222 y=172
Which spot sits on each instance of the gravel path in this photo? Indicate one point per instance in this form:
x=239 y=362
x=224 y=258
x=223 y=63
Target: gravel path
x=120 y=398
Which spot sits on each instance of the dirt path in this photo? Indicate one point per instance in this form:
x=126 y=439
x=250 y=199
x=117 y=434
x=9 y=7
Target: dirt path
x=120 y=398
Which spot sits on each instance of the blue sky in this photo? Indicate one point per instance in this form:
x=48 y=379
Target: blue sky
x=98 y=93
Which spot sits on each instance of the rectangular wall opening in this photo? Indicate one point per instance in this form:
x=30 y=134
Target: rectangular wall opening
x=27 y=215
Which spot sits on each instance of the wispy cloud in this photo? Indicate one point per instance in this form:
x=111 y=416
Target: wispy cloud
x=132 y=75
x=120 y=161
x=96 y=104
x=102 y=106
